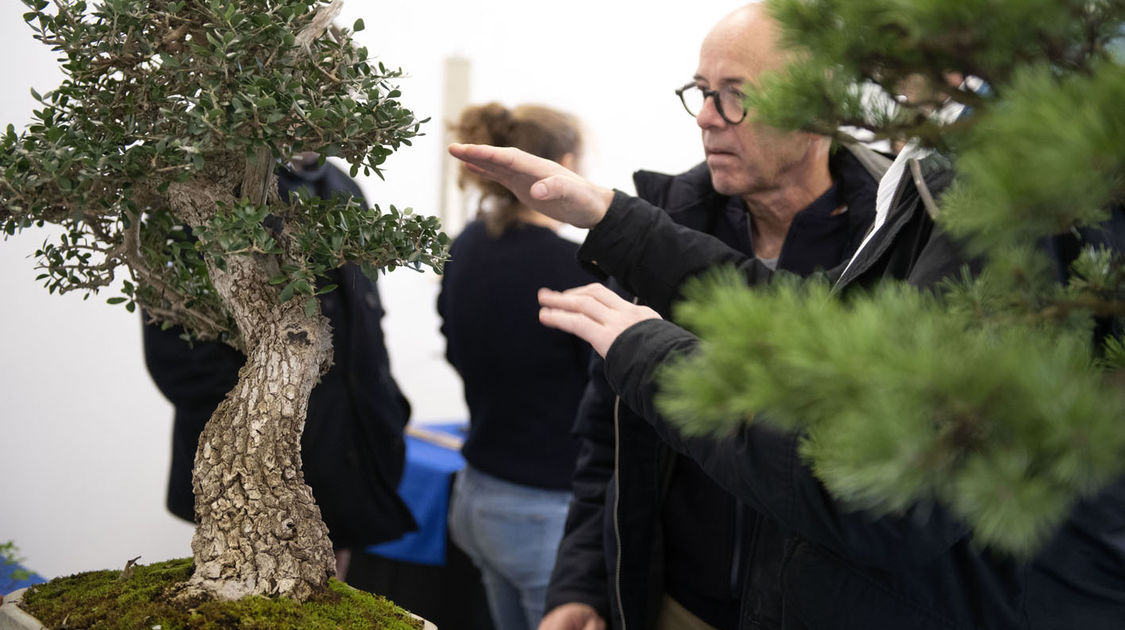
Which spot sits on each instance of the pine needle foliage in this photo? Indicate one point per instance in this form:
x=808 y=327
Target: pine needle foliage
x=1052 y=157
x=1001 y=396
x=176 y=91
x=905 y=400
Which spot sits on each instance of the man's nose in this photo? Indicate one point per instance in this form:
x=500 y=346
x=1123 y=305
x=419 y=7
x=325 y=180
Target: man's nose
x=708 y=116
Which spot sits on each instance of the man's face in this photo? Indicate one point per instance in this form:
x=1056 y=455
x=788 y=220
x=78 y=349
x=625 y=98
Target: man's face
x=746 y=158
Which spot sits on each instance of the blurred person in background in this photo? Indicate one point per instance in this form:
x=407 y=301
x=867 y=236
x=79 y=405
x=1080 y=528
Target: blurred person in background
x=522 y=380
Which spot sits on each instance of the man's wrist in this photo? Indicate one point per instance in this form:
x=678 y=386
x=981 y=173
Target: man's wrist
x=606 y=235
x=607 y=196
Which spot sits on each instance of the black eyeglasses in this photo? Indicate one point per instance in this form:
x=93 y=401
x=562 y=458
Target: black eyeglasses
x=728 y=99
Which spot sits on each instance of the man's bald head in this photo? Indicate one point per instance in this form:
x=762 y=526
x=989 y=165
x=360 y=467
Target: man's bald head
x=748 y=159
x=750 y=34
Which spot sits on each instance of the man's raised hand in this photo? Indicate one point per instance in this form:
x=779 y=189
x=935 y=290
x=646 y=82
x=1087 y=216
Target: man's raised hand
x=539 y=184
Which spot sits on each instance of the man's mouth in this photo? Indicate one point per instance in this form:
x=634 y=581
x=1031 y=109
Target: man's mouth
x=718 y=153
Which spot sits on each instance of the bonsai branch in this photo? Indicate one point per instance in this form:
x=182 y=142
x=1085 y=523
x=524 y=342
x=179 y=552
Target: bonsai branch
x=258 y=178
x=203 y=323
x=320 y=23
x=1099 y=307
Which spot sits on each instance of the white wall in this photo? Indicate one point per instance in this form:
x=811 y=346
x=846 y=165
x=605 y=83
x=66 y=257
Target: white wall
x=84 y=435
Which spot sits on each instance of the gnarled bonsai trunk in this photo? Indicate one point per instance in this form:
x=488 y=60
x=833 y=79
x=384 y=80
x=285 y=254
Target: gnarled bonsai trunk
x=258 y=529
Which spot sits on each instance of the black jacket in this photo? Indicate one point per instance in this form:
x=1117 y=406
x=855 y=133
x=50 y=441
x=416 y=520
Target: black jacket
x=845 y=569
x=613 y=553
x=352 y=446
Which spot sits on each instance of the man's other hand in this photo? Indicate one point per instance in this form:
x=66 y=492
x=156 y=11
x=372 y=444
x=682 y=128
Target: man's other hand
x=592 y=312
x=572 y=616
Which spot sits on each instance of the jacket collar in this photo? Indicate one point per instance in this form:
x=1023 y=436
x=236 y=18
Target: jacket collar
x=855 y=169
x=913 y=191
x=691 y=201
x=688 y=197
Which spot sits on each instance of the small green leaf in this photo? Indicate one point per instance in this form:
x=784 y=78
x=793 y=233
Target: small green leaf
x=310 y=307
x=358 y=26
x=115 y=300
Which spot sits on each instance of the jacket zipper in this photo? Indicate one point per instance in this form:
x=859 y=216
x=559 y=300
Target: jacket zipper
x=617 y=500
x=736 y=560
x=616 y=505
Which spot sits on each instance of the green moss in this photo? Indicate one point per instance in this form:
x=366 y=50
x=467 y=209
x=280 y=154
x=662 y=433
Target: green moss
x=99 y=600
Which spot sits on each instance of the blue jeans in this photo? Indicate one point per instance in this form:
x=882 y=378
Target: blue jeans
x=511 y=532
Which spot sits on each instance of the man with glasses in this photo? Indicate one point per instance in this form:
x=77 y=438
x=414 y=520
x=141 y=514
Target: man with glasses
x=651 y=541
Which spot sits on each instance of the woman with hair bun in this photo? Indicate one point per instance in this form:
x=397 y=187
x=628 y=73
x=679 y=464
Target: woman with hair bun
x=522 y=380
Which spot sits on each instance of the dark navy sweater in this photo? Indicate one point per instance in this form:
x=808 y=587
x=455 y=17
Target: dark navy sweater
x=522 y=380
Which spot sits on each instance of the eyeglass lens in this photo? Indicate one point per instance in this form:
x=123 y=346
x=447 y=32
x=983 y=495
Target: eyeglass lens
x=729 y=102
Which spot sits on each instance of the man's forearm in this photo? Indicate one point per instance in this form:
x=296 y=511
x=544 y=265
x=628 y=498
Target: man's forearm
x=652 y=256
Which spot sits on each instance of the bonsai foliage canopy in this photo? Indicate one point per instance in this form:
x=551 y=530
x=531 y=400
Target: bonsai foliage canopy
x=157 y=156
x=161 y=94
x=1001 y=395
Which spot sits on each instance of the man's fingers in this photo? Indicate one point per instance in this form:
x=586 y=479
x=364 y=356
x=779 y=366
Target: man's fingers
x=543 y=185
x=489 y=169
x=470 y=154
x=599 y=336
x=593 y=313
x=501 y=159
x=482 y=160
x=598 y=292
x=568 y=321
x=603 y=294
x=572 y=616
x=474 y=152
x=575 y=301
x=479 y=170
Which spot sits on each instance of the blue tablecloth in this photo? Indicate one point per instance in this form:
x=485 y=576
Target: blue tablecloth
x=426 y=482
x=9 y=582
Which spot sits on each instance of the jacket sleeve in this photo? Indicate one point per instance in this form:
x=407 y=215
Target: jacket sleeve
x=761 y=465
x=580 y=573
x=651 y=255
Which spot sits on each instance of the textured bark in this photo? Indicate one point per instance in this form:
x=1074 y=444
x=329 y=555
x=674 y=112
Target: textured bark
x=258 y=530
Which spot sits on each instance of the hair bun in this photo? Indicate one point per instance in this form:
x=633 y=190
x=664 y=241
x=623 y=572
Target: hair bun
x=486 y=124
x=536 y=129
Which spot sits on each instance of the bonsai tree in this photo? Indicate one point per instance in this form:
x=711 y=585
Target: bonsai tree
x=156 y=157
x=1003 y=396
